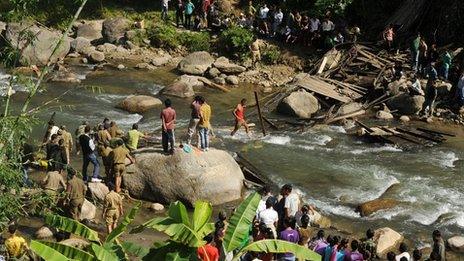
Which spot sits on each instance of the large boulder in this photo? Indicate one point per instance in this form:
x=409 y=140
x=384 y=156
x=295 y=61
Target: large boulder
x=183 y=86
x=370 y=207
x=300 y=103
x=196 y=63
x=114 y=29
x=386 y=239
x=213 y=176
x=88 y=211
x=80 y=44
x=139 y=103
x=38 y=51
x=225 y=66
x=456 y=243
x=98 y=191
x=91 y=30
x=406 y=104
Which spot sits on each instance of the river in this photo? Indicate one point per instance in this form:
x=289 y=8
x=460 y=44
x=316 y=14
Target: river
x=332 y=170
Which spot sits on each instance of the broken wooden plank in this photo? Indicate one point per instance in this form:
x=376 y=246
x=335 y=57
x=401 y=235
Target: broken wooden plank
x=437 y=132
x=213 y=85
x=420 y=134
x=313 y=84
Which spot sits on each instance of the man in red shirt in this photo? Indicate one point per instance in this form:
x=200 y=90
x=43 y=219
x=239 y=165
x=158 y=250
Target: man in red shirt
x=208 y=252
x=239 y=114
x=168 y=119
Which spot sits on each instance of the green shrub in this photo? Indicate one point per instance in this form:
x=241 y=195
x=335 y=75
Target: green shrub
x=164 y=36
x=236 y=40
x=271 y=55
x=195 y=42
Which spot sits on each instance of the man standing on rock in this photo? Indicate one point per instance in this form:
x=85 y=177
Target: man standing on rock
x=239 y=114
x=118 y=158
x=204 y=125
x=88 y=153
x=113 y=208
x=75 y=194
x=194 y=120
x=168 y=119
x=80 y=131
x=430 y=91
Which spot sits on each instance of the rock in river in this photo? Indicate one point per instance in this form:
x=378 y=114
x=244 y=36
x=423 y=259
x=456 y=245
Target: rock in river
x=370 y=207
x=196 y=63
x=406 y=104
x=386 y=239
x=183 y=86
x=213 y=176
x=301 y=104
x=139 y=103
x=225 y=66
x=456 y=243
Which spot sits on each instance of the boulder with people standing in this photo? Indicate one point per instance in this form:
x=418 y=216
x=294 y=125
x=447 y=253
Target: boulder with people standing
x=213 y=176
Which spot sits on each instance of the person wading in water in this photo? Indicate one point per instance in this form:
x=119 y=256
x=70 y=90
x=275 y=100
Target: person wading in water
x=239 y=114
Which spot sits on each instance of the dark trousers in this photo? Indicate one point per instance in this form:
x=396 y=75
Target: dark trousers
x=90 y=158
x=188 y=21
x=179 y=16
x=168 y=139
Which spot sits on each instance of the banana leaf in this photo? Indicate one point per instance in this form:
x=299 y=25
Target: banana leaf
x=279 y=246
x=102 y=253
x=125 y=222
x=178 y=212
x=171 y=251
x=46 y=252
x=240 y=222
x=201 y=214
x=134 y=249
x=71 y=226
x=70 y=252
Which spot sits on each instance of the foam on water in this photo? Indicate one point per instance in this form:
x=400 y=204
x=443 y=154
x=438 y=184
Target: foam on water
x=110 y=98
x=277 y=140
x=385 y=148
x=444 y=159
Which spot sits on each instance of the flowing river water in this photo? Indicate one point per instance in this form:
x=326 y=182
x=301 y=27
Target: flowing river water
x=331 y=169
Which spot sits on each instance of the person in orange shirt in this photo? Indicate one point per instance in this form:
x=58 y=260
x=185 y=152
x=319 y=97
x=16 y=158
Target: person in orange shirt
x=239 y=114
x=208 y=252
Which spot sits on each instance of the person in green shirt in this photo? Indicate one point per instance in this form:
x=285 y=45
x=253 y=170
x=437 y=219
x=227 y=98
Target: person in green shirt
x=445 y=64
x=133 y=137
x=415 y=52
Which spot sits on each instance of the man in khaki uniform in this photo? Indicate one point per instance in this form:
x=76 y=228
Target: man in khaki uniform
x=67 y=142
x=76 y=194
x=113 y=208
x=103 y=146
x=105 y=154
x=114 y=130
x=53 y=183
x=118 y=159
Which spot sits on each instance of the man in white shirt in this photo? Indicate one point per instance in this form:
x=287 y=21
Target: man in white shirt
x=278 y=18
x=263 y=11
x=327 y=25
x=269 y=216
x=404 y=253
x=292 y=201
x=314 y=24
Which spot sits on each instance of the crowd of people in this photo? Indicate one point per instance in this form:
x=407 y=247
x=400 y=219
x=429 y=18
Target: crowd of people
x=283 y=218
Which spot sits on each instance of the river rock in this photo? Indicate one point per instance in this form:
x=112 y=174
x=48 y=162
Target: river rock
x=98 y=191
x=405 y=119
x=183 y=86
x=213 y=72
x=443 y=88
x=139 y=103
x=320 y=220
x=145 y=66
x=86 y=51
x=76 y=243
x=107 y=48
x=156 y=207
x=300 y=104
x=225 y=66
x=91 y=30
x=386 y=239
x=79 y=44
x=121 y=67
x=398 y=86
x=349 y=107
x=370 y=207
x=196 y=63
x=44 y=233
x=64 y=76
x=39 y=50
x=219 y=80
x=232 y=79
x=456 y=243
x=384 y=115
x=88 y=211
x=114 y=29
x=406 y=104
x=213 y=176
x=96 y=57
x=161 y=60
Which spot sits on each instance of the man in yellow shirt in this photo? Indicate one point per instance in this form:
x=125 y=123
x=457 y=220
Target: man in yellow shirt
x=15 y=245
x=133 y=137
x=204 y=126
x=113 y=208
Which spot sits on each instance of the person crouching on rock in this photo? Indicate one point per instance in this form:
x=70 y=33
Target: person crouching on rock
x=168 y=118
x=113 y=208
x=118 y=158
